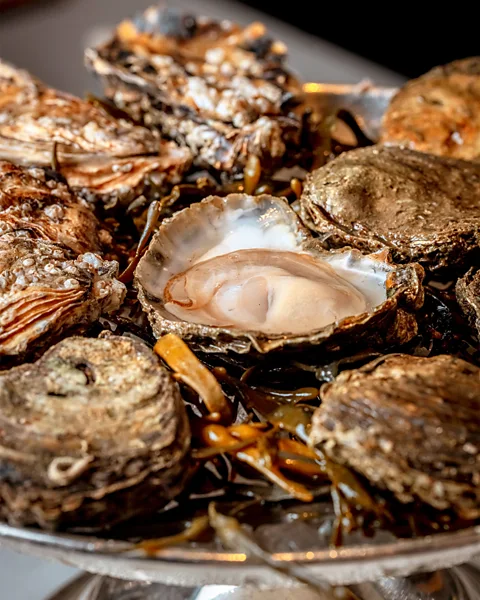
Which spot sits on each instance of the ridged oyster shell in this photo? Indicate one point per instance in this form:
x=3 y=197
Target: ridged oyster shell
x=102 y=158
x=93 y=433
x=46 y=291
x=468 y=295
x=410 y=425
x=230 y=226
x=34 y=201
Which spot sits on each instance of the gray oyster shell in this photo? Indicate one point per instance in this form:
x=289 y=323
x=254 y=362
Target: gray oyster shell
x=410 y=425
x=424 y=208
x=46 y=291
x=220 y=89
x=103 y=158
x=192 y=233
x=93 y=433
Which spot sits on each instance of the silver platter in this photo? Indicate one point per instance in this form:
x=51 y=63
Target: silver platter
x=196 y=565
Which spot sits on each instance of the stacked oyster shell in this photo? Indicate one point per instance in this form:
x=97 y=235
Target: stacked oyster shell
x=215 y=87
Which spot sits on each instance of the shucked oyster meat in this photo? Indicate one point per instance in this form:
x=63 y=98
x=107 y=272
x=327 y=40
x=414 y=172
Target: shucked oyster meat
x=219 y=89
x=439 y=112
x=47 y=290
x=101 y=157
x=34 y=201
x=241 y=273
x=93 y=433
x=423 y=207
x=409 y=425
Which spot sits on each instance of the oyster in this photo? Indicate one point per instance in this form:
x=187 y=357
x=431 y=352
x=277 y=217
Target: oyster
x=35 y=201
x=409 y=425
x=241 y=273
x=215 y=87
x=46 y=290
x=423 y=207
x=93 y=433
x=468 y=296
x=439 y=112
x=101 y=157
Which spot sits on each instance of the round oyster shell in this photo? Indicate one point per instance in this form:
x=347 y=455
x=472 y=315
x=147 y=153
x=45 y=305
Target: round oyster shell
x=439 y=112
x=93 y=433
x=468 y=295
x=228 y=229
x=34 y=201
x=46 y=291
x=423 y=207
x=409 y=425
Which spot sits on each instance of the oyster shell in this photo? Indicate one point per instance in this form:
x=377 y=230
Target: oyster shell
x=241 y=273
x=101 y=157
x=46 y=291
x=219 y=89
x=423 y=207
x=409 y=425
x=93 y=433
x=468 y=295
x=439 y=112
x=34 y=201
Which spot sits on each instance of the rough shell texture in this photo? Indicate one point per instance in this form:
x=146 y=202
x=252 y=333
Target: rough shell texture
x=424 y=208
x=219 y=89
x=410 y=425
x=92 y=433
x=468 y=296
x=102 y=158
x=172 y=250
x=439 y=112
x=34 y=201
x=46 y=291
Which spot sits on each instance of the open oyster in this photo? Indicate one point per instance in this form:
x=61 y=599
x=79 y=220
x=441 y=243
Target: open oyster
x=93 y=433
x=468 y=296
x=219 y=89
x=409 y=425
x=101 y=157
x=241 y=273
x=46 y=290
x=35 y=201
x=423 y=207
x=439 y=112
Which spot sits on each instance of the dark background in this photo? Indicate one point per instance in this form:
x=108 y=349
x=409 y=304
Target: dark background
x=407 y=38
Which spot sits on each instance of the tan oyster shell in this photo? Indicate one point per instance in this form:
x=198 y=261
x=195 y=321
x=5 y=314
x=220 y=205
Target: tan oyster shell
x=93 y=433
x=101 y=157
x=189 y=237
x=46 y=291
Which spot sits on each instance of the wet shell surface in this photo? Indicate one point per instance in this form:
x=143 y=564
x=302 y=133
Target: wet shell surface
x=103 y=158
x=46 y=291
x=93 y=433
x=410 y=425
x=241 y=273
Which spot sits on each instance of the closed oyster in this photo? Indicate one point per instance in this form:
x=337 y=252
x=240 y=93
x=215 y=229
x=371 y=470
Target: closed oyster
x=241 y=273
x=423 y=207
x=439 y=112
x=410 y=425
x=101 y=157
x=46 y=291
x=34 y=201
x=468 y=296
x=93 y=433
x=218 y=88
